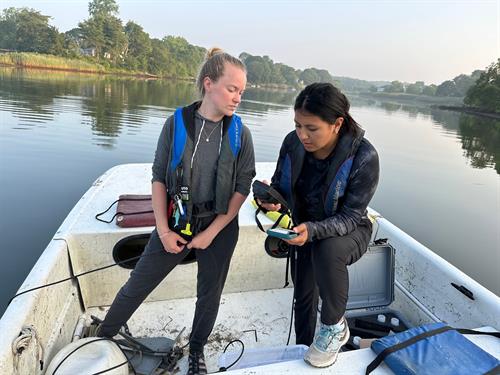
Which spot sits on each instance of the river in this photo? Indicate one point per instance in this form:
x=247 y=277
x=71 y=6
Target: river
x=59 y=131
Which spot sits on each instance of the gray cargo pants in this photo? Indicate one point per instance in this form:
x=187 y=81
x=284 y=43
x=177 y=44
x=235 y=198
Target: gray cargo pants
x=213 y=265
x=321 y=270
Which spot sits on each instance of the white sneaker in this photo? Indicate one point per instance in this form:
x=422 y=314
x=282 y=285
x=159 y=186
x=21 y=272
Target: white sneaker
x=327 y=343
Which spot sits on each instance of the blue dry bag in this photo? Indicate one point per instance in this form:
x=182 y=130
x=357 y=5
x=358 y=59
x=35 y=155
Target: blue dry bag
x=434 y=349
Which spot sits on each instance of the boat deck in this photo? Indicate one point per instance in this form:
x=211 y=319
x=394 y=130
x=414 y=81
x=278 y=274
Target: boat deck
x=254 y=307
x=258 y=318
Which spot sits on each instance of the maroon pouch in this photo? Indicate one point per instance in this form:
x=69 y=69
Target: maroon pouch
x=132 y=211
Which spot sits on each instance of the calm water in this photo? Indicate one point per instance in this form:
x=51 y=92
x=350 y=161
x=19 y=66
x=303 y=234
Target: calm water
x=58 y=132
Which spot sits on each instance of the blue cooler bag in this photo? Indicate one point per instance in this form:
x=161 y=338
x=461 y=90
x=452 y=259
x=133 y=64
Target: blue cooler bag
x=434 y=349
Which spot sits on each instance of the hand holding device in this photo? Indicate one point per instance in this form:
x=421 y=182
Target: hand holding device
x=261 y=192
x=286 y=234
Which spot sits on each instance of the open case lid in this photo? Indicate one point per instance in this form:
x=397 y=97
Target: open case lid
x=371 y=278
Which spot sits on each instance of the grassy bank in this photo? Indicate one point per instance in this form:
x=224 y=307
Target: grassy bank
x=406 y=98
x=42 y=61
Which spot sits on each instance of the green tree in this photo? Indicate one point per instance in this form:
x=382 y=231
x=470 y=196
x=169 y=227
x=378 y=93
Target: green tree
x=74 y=35
x=159 y=58
x=394 y=87
x=184 y=58
x=115 y=40
x=259 y=69
x=72 y=41
x=8 y=28
x=311 y=75
x=447 y=88
x=415 y=88
x=243 y=56
x=92 y=31
x=103 y=7
x=104 y=30
x=289 y=74
x=255 y=71
x=139 y=46
x=324 y=76
x=464 y=82
x=175 y=57
x=429 y=90
x=263 y=70
x=485 y=93
x=28 y=30
x=357 y=85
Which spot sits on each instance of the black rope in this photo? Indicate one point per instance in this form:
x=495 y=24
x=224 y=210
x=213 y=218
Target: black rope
x=257 y=221
x=75 y=277
x=294 y=252
x=104 y=371
x=222 y=369
x=122 y=213
x=169 y=358
x=260 y=209
x=287 y=267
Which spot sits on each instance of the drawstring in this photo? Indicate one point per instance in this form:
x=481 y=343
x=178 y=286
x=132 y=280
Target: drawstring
x=122 y=213
x=197 y=143
x=263 y=210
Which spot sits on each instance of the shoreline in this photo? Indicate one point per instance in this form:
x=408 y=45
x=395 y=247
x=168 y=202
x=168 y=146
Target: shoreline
x=401 y=98
x=470 y=111
x=146 y=76
x=411 y=98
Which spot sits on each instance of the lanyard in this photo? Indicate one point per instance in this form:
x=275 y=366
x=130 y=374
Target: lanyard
x=198 y=141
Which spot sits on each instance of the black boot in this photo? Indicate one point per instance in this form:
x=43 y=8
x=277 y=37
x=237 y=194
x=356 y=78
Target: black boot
x=197 y=364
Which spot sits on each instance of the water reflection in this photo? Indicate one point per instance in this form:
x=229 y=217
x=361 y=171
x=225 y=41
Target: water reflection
x=59 y=131
x=270 y=96
x=107 y=104
x=480 y=137
x=481 y=141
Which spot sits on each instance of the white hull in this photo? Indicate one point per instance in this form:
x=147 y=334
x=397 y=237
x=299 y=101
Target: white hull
x=253 y=298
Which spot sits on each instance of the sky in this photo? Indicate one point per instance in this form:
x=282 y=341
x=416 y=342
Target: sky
x=409 y=41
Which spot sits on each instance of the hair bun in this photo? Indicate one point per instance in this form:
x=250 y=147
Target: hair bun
x=214 y=51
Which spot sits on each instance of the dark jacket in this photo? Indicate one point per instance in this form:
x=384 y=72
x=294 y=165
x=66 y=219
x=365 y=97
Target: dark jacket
x=348 y=188
x=236 y=165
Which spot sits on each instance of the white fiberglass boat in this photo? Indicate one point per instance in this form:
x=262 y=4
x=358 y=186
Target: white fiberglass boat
x=398 y=279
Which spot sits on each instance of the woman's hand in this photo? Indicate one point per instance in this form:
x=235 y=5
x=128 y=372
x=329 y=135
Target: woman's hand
x=301 y=239
x=202 y=240
x=172 y=242
x=269 y=206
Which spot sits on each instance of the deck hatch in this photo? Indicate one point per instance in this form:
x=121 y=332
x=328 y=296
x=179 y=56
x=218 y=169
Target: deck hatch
x=132 y=246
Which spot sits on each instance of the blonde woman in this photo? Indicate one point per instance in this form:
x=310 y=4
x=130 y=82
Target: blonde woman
x=202 y=171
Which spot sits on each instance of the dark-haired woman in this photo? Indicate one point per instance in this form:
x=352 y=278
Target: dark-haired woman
x=328 y=173
x=202 y=171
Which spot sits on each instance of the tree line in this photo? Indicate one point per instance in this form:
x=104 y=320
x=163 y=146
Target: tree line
x=103 y=38
x=263 y=70
x=485 y=93
x=457 y=87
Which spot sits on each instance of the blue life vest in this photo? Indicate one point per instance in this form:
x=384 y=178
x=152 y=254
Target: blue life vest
x=182 y=146
x=336 y=178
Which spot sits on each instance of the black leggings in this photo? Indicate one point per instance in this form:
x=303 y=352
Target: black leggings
x=322 y=271
x=213 y=265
